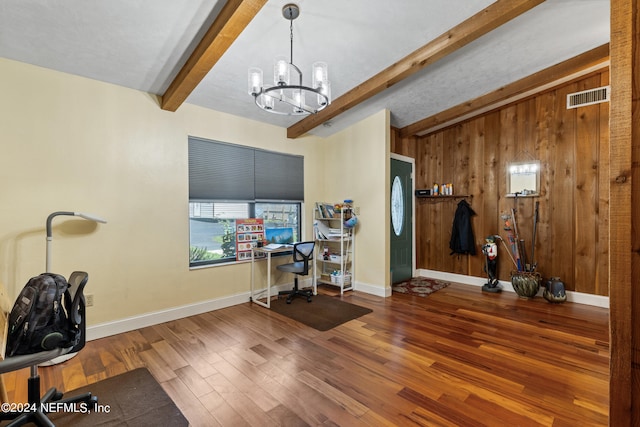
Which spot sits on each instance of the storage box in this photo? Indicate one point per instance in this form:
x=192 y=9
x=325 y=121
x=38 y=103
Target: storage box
x=341 y=280
x=335 y=258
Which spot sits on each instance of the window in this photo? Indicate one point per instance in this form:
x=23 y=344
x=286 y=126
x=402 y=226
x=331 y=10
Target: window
x=229 y=182
x=212 y=231
x=212 y=225
x=280 y=215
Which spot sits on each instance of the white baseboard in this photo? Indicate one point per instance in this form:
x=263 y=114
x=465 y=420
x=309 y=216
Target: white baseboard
x=575 y=297
x=149 y=319
x=372 y=289
x=127 y=324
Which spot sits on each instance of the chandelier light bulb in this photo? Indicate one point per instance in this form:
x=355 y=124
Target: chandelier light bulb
x=255 y=81
x=269 y=102
x=320 y=74
x=281 y=72
x=324 y=94
x=298 y=98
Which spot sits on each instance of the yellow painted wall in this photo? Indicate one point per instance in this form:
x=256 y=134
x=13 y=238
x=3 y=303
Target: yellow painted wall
x=73 y=144
x=357 y=167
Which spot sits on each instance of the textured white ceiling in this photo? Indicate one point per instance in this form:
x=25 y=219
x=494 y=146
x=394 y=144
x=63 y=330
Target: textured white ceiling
x=142 y=44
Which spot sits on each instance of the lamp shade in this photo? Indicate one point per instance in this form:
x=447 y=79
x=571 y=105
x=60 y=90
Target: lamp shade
x=254 y=81
x=325 y=89
x=319 y=74
x=90 y=217
x=298 y=97
x=281 y=72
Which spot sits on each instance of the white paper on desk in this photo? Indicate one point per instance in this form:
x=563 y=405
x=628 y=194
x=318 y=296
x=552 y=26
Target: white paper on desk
x=277 y=246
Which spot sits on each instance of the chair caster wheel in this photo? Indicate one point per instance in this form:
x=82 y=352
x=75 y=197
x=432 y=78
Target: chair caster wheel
x=57 y=396
x=308 y=299
x=93 y=402
x=288 y=301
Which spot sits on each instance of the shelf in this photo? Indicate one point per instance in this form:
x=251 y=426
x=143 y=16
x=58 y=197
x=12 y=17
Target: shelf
x=333 y=236
x=337 y=281
x=519 y=196
x=460 y=196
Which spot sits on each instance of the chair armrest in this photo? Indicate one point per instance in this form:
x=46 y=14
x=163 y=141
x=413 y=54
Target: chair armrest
x=27 y=360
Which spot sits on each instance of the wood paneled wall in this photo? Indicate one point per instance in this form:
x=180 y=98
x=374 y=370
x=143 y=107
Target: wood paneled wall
x=573 y=148
x=624 y=232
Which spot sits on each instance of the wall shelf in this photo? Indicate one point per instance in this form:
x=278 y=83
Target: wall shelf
x=519 y=196
x=459 y=196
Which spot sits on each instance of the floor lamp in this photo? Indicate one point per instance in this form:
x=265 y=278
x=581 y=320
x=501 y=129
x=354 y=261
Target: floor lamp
x=49 y=233
x=88 y=217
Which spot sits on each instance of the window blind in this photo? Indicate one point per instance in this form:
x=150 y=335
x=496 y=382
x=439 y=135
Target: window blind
x=279 y=176
x=222 y=171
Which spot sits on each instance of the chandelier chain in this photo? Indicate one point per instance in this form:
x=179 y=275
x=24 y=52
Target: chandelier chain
x=291 y=41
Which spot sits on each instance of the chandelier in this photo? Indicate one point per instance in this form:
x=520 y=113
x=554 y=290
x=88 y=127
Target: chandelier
x=285 y=96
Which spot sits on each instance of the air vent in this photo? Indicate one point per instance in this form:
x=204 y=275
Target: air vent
x=589 y=97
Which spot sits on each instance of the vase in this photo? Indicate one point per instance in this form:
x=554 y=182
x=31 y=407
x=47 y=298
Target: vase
x=554 y=291
x=525 y=283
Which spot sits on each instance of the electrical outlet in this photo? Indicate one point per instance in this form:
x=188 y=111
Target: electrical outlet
x=89 y=300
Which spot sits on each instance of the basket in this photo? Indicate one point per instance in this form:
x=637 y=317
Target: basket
x=525 y=283
x=341 y=280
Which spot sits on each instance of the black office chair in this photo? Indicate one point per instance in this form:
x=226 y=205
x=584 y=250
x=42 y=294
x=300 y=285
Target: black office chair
x=302 y=253
x=77 y=282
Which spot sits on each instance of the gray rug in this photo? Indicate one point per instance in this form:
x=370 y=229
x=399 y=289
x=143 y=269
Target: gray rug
x=322 y=313
x=134 y=399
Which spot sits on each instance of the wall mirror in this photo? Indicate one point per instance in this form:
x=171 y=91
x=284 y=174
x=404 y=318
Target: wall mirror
x=523 y=179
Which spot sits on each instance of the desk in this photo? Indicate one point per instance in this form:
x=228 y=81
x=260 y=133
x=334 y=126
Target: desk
x=268 y=252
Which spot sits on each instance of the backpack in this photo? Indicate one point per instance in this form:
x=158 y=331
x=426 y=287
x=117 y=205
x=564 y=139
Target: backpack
x=39 y=319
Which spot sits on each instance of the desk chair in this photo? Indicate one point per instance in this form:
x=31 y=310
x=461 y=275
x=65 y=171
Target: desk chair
x=302 y=253
x=77 y=282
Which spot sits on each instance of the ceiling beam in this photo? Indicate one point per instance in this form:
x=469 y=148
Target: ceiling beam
x=481 y=23
x=230 y=22
x=590 y=61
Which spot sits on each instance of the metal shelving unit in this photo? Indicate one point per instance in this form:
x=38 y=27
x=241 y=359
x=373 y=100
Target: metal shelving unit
x=335 y=245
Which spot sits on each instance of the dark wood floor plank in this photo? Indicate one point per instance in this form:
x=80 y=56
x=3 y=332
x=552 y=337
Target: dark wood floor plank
x=192 y=407
x=220 y=409
x=457 y=357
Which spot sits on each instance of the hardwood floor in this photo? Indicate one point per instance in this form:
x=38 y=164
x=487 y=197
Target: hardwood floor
x=456 y=358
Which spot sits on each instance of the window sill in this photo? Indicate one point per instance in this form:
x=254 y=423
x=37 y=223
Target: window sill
x=244 y=261
x=219 y=264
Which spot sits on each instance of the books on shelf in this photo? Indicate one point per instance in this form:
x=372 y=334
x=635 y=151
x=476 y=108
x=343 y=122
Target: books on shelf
x=325 y=210
x=336 y=242
x=323 y=231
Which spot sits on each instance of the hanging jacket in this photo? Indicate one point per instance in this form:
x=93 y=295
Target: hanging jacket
x=462 y=239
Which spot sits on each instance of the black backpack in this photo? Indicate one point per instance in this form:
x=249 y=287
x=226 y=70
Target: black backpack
x=39 y=318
